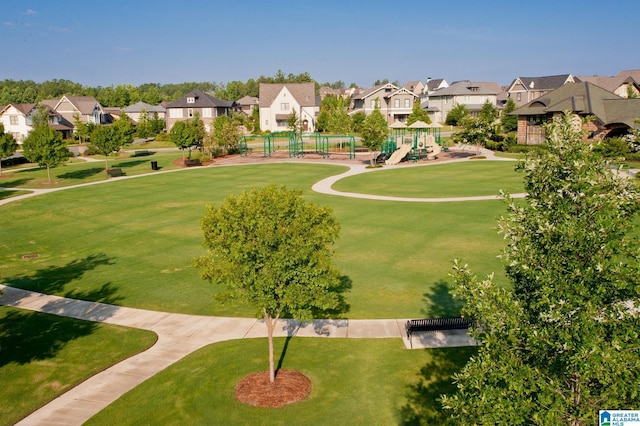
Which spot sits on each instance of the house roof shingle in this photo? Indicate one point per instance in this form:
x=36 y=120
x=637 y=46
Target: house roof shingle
x=303 y=93
x=143 y=106
x=466 y=87
x=549 y=82
x=585 y=98
x=201 y=100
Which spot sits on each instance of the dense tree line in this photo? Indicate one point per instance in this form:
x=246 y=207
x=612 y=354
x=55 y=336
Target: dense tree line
x=122 y=95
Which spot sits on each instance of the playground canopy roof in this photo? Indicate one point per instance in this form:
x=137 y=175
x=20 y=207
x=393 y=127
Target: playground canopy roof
x=397 y=125
x=419 y=125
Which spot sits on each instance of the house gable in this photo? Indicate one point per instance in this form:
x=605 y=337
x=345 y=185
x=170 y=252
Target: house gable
x=277 y=101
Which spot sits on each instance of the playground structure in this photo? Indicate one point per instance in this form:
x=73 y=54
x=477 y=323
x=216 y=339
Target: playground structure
x=298 y=144
x=417 y=143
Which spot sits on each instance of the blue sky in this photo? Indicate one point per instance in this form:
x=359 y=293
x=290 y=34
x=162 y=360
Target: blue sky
x=140 y=41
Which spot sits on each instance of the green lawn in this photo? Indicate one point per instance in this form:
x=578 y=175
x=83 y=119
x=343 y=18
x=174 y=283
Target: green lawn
x=438 y=180
x=42 y=356
x=131 y=242
x=79 y=171
x=355 y=382
x=139 y=236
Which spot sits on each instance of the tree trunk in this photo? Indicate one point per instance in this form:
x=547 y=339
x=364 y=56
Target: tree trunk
x=271 y=325
x=49 y=173
x=106 y=163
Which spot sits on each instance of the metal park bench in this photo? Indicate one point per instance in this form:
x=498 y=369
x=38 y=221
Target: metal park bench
x=435 y=324
x=115 y=172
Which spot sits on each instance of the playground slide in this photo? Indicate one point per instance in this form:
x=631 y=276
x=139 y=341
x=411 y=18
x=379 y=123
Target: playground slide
x=399 y=154
x=436 y=149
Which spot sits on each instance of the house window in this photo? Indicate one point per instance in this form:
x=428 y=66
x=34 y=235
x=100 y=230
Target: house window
x=373 y=103
x=206 y=113
x=281 y=123
x=284 y=106
x=13 y=120
x=191 y=100
x=190 y=112
x=407 y=103
x=519 y=96
x=396 y=103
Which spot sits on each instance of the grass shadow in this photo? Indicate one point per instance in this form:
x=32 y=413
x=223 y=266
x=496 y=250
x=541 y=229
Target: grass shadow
x=33 y=336
x=291 y=327
x=131 y=163
x=14 y=183
x=52 y=279
x=439 y=303
x=436 y=379
x=10 y=194
x=81 y=174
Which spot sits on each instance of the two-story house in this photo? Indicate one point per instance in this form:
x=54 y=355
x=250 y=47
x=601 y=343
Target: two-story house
x=394 y=103
x=525 y=89
x=17 y=120
x=601 y=113
x=197 y=104
x=85 y=108
x=473 y=95
x=277 y=101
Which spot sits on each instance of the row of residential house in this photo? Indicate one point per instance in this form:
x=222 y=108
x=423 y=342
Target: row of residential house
x=610 y=101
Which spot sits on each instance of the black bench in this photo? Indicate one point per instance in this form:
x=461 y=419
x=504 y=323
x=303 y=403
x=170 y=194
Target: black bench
x=436 y=324
x=115 y=172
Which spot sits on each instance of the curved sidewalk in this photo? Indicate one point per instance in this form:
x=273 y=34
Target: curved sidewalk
x=178 y=336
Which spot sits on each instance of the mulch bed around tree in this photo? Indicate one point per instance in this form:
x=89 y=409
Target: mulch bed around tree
x=257 y=390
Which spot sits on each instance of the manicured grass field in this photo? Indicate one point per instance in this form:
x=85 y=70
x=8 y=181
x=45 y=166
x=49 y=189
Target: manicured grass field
x=79 y=171
x=355 y=382
x=438 y=180
x=131 y=242
x=42 y=356
x=139 y=236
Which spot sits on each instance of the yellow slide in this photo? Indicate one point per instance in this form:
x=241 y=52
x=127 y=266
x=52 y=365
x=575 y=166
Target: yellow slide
x=399 y=154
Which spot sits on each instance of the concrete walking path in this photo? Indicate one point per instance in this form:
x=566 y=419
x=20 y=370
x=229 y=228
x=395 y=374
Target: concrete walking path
x=178 y=336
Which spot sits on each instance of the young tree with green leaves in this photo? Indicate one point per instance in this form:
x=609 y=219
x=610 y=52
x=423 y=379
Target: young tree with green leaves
x=81 y=129
x=106 y=140
x=45 y=147
x=418 y=114
x=455 y=116
x=185 y=134
x=333 y=115
x=225 y=135
x=374 y=132
x=563 y=342
x=273 y=250
x=478 y=130
x=8 y=145
x=509 y=121
x=181 y=136
x=293 y=122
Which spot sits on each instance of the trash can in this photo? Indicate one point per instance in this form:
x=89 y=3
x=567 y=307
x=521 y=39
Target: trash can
x=154 y=165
